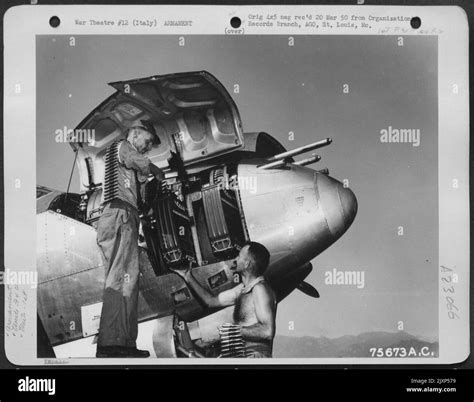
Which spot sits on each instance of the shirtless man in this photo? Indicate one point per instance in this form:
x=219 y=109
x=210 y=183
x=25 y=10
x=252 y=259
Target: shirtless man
x=254 y=300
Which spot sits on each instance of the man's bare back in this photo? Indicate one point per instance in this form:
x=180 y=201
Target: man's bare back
x=254 y=301
x=248 y=314
x=244 y=310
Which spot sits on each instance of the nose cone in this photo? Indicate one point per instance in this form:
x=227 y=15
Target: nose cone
x=338 y=203
x=348 y=203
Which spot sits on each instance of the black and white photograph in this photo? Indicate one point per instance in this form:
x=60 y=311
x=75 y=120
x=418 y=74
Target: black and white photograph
x=261 y=156
x=269 y=197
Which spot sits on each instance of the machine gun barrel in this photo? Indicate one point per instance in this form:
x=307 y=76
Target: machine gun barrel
x=300 y=150
x=308 y=161
x=279 y=164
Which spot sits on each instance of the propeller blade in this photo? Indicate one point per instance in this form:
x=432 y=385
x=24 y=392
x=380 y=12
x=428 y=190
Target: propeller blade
x=308 y=289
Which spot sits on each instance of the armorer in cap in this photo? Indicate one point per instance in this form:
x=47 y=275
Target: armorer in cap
x=126 y=171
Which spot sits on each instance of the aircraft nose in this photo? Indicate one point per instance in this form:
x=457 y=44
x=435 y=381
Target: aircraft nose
x=349 y=204
x=337 y=202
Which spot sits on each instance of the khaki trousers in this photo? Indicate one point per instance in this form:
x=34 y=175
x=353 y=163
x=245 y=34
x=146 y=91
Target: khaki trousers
x=117 y=237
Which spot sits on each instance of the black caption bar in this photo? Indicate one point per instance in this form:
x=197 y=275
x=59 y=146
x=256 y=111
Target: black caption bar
x=236 y=384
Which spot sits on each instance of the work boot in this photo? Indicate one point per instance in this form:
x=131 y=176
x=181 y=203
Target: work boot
x=134 y=352
x=111 y=351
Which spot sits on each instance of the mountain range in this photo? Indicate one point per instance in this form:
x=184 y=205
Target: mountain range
x=349 y=345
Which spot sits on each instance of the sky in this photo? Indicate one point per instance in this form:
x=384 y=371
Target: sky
x=298 y=89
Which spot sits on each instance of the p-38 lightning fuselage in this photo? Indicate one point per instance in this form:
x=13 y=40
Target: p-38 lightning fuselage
x=232 y=187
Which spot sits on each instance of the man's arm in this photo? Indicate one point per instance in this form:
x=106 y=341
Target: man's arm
x=265 y=310
x=223 y=299
x=132 y=159
x=157 y=172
